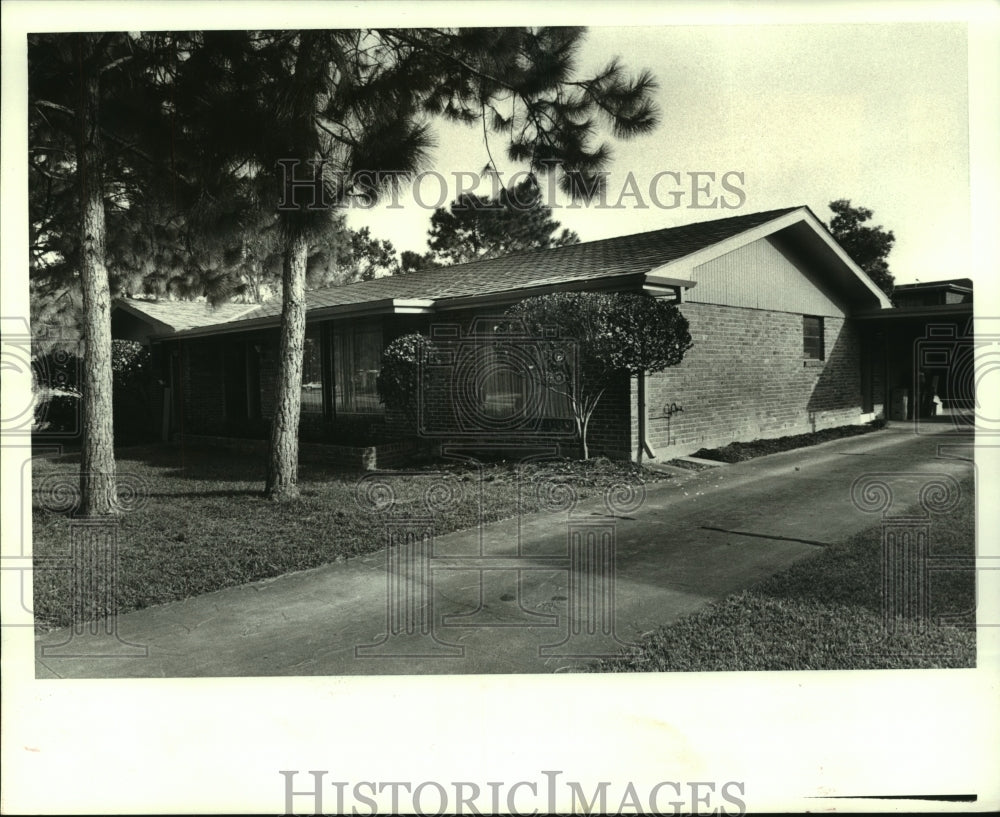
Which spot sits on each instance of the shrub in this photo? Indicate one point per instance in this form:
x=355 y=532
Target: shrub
x=397 y=384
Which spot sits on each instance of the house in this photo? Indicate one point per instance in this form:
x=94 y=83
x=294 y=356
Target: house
x=772 y=301
x=933 y=293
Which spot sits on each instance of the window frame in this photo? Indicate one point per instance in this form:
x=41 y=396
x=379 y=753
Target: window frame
x=315 y=333
x=813 y=339
x=336 y=335
x=557 y=407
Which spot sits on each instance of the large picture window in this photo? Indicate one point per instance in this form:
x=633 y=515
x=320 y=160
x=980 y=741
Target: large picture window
x=514 y=381
x=812 y=338
x=312 y=372
x=357 y=357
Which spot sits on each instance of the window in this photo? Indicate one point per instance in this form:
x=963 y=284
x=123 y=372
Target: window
x=357 y=358
x=312 y=372
x=518 y=379
x=812 y=338
x=241 y=381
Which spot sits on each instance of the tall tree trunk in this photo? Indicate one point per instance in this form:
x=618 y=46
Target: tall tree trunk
x=283 y=457
x=97 y=463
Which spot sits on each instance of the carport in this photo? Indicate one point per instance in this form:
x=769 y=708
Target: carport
x=926 y=361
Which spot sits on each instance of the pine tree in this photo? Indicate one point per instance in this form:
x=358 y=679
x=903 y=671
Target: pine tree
x=868 y=246
x=94 y=130
x=476 y=227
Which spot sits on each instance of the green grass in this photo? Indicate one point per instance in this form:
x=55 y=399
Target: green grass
x=206 y=526
x=826 y=613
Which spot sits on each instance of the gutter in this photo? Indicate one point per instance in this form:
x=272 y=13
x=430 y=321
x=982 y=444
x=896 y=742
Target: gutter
x=385 y=306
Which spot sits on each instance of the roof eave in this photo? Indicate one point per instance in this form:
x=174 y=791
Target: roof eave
x=127 y=307
x=385 y=306
x=904 y=312
x=634 y=280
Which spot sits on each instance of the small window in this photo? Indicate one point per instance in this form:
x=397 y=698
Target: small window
x=812 y=338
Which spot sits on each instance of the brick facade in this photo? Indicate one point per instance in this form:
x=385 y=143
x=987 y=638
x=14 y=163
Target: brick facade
x=201 y=393
x=744 y=378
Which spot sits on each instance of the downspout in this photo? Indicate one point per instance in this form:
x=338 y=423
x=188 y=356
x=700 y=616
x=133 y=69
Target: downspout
x=643 y=413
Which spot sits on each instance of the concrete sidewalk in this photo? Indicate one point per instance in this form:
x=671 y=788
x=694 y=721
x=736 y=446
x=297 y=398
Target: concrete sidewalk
x=542 y=593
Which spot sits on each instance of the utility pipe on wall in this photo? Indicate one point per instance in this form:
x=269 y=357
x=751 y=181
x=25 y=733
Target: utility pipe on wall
x=643 y=413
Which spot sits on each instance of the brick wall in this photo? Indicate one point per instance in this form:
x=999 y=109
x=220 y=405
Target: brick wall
x=745 y=378
x=202 y=387
x=608 y=434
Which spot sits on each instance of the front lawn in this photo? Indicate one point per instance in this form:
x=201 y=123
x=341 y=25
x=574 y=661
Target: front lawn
x=826 y=613
x=205 y=525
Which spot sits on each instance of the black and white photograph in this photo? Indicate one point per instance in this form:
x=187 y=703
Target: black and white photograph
x=482 y=408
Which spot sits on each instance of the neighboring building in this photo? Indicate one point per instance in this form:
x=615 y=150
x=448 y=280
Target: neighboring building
x=933 y=293
x=779 y=316
x=928 y=341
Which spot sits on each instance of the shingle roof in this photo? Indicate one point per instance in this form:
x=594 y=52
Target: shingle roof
x=180 y=315
x=622 y=255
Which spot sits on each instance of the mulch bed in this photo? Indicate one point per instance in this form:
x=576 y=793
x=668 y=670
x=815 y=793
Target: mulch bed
x=739 y=452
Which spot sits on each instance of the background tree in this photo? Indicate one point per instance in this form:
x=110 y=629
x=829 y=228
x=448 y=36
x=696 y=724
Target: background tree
x=613 y=335
x=370 y=257
x=410 y=261
x=476 y=227
x=868 y=246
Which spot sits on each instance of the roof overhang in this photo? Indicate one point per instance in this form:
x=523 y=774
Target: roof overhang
x=384 y=306
x=803 y=231
x=916 y=312
x=158 y=326
x=635 y=282
x=652 y=283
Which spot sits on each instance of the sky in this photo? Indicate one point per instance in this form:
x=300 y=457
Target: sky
x=808 y=113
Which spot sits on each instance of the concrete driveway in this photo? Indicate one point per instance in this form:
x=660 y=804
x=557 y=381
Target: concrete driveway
x=542 y=593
